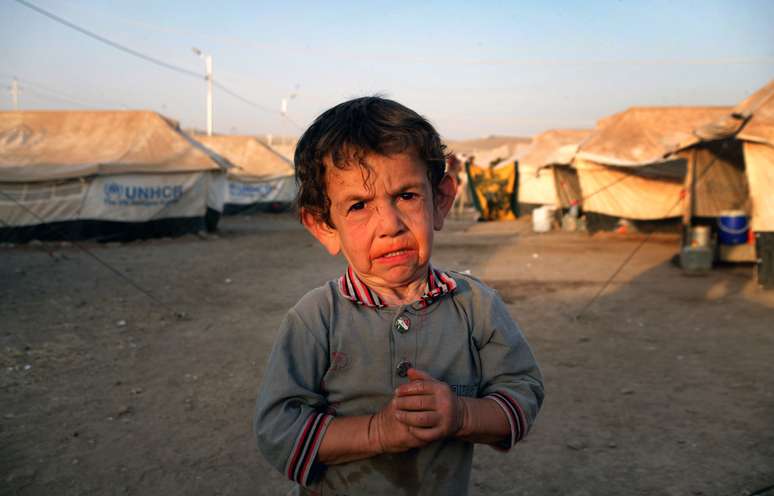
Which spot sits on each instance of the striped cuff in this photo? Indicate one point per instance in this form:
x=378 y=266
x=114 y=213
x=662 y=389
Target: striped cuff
x=304 y=453
x=516 y=419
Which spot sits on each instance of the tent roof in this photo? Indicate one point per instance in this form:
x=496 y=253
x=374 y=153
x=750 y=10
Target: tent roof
x=49 y=145
x=252 y=159
x=645 y=135
x=487 y=150
x=753 y=119
x=557 y=146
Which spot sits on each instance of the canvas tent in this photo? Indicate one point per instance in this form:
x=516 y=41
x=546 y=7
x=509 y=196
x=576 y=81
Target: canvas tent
x=626 y=167
x=488 y=151
x=104 y=174
x=261 y=177
x=750 y=125
x=545 y=175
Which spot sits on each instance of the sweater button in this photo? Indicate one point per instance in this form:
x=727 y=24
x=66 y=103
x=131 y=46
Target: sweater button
x=403 y=368
x=402 y=324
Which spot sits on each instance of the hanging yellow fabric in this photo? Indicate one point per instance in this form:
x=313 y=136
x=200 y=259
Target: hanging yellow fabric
x=492 y=189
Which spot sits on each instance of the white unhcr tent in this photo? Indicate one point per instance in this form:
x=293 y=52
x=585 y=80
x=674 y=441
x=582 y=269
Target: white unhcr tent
x=545 y=176
x=261 y=179
x=105 y=175
x=625 y=167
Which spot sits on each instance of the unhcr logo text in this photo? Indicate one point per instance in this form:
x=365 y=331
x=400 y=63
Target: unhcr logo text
x=142 y=196
x=260 y=190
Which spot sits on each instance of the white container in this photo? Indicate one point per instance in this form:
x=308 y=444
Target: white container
x=541 y=219
x=700 y=236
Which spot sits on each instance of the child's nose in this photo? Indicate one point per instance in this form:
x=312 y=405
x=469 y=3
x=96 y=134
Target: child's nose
x=390 y=221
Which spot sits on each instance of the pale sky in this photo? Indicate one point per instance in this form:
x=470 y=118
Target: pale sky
x=473 y=68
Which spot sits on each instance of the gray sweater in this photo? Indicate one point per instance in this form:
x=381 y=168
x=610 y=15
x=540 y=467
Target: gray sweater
x=335 y=357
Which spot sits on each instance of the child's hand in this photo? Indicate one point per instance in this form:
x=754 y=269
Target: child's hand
x=428 y=407
x=388 y=434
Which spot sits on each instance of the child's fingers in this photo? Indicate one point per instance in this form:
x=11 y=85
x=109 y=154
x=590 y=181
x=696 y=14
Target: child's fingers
x=419 y=387
x=419 y=375
x=427 y=435
x=415 y=387
x=415 y=402
x=418 y=419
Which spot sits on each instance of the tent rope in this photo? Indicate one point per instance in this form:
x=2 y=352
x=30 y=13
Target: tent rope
x=636 y=249
x=98 y=259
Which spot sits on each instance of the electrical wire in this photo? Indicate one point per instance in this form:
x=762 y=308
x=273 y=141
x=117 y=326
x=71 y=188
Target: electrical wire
x=243 y=99
x=62 y=95
x=143 y=56
x=52 y=97
x=108 y=42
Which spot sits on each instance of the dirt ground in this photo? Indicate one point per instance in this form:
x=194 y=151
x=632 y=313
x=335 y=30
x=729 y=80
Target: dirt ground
x=665 y=385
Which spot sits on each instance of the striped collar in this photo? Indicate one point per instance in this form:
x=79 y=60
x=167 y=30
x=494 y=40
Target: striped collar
x=352 y=288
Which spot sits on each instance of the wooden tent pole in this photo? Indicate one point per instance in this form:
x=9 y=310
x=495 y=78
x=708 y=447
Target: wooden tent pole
x=690 y=193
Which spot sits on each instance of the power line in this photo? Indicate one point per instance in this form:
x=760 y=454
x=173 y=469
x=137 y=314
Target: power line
x=243 y=99
x=108 y=42
x=52 y=94
x=234 y=40
x=57 y=98
x=143 y=56
x=63 y=95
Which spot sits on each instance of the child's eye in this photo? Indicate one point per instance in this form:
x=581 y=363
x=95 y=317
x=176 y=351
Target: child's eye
x=357 y=206
x=408 y=195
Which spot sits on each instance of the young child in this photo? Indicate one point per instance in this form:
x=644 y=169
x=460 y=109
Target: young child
x=381 y=381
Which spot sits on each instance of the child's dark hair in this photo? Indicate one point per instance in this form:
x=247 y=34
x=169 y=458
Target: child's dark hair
x=350 y=131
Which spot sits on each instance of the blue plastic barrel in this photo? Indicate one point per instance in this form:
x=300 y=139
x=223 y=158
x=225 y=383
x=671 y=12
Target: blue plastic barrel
x=732 y=227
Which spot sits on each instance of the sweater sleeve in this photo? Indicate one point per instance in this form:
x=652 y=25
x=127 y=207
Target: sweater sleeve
x=290 y=417
x=510 y=375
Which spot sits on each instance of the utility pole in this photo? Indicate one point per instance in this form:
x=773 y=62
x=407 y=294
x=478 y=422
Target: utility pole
x=208 y=66
x=15 y=90
x=284 y=102
x=208 y=78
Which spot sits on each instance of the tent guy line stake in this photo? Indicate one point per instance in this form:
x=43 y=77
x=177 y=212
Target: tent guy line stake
x=99 y=260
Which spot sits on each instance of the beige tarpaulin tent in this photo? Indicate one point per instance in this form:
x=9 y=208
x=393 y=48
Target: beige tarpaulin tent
x=111 y=166
x=625 y=168
x=487 y=150
x=752 y=123
x=545 y=176
x=260 y=174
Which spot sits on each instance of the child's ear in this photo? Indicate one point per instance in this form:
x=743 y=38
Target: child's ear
x=320 y=229
x=444 y=198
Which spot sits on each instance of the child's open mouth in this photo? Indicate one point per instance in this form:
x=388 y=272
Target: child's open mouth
x=395 y=256
x=395 y=253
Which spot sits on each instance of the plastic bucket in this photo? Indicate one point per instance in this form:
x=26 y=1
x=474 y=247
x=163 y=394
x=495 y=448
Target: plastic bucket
x=541 y=219
x=732 y=227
